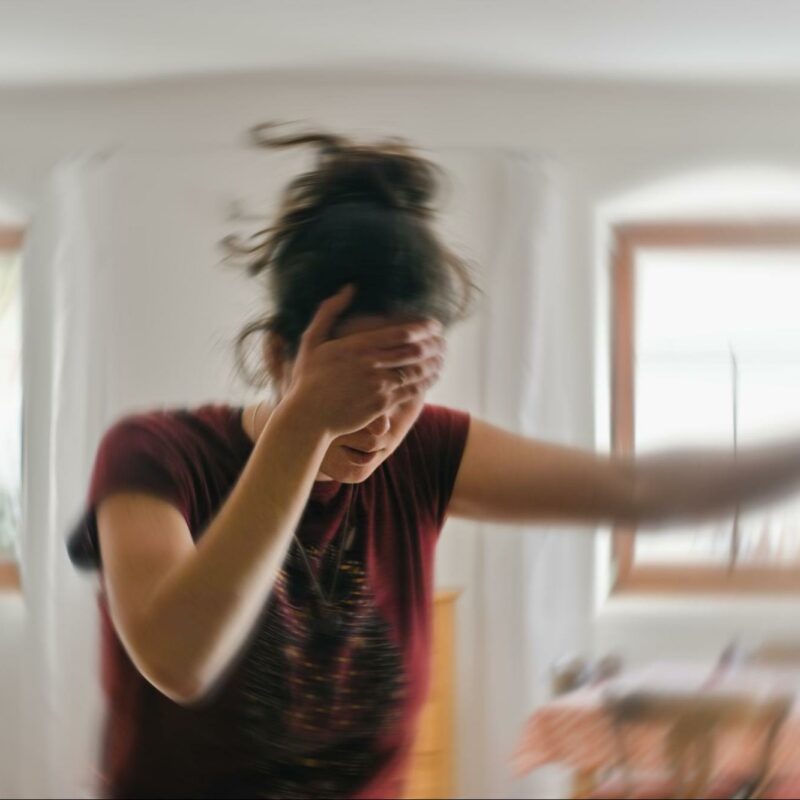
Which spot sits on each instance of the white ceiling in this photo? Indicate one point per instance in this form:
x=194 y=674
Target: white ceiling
x=97 y=41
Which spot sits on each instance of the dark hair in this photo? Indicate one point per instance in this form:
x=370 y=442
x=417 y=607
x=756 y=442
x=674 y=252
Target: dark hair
x=362 y=215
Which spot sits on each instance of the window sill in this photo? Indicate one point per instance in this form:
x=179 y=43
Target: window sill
x=632 y=604
x=9 y=577
x=689 y=581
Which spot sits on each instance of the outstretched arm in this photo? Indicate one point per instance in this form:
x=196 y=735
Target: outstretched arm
x=505 y=477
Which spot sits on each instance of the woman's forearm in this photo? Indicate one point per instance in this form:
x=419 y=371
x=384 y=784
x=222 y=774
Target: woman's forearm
x=202 y=613
x=685 y=485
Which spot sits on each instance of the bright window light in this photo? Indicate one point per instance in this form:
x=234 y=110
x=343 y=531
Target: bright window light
x=697 y=311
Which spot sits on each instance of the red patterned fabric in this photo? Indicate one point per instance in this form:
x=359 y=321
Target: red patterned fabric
x=305 y=712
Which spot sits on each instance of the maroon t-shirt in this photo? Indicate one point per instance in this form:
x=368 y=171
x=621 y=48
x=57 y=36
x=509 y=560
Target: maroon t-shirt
x=307 y=710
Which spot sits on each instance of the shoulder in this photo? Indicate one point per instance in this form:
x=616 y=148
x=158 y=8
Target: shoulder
x=161 y=452
x=166 y=447
x=439 y=426
x=433 y=448
x=132 y=427
x=169 y=426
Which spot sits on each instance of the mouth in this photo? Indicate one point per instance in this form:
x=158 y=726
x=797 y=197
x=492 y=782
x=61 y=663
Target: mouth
x=360 y=457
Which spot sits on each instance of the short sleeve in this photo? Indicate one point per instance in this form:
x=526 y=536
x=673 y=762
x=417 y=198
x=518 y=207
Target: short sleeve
x=440 y=436
x=136 y=454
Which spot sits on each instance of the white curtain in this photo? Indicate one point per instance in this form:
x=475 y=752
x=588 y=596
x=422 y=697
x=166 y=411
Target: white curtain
x=126 y=307
x=62 y=393
x=528 y=590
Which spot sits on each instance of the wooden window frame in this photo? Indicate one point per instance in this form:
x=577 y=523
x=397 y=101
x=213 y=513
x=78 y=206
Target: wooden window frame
x=628 y=240
x=11 y=238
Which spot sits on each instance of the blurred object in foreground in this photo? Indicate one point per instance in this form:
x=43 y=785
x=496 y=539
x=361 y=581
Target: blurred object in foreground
x=571 y=672
x=690 y=724
x=714 y=730
x=777 y=653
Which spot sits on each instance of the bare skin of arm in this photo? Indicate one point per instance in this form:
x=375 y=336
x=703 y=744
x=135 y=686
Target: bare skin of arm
x=183 y=610
x=505 y=477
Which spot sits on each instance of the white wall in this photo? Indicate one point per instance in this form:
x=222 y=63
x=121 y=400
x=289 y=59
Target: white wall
x=641 y=630
x=608 y=139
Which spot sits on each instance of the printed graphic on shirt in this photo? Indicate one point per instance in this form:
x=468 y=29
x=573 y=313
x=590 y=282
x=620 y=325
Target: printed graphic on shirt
x=317 y=700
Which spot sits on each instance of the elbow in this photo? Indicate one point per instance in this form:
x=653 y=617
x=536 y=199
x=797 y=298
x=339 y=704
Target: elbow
x=184 y=692
x=182 y=687
x=181 y=682
x=170 y=666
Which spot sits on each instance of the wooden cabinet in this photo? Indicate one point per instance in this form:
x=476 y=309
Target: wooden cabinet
x=431 y=771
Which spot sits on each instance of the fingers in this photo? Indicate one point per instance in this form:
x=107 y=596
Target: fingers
x=415 y=373
x=412 y=368
x=391 y=336
x=325 y=318
x=413 y=391
x=413 y=381
x=413 y=353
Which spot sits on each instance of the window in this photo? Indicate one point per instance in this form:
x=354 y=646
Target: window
x=10 y=403
x=706 y=352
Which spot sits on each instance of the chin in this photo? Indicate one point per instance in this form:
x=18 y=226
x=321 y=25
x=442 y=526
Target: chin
x=355 y=474
x=346 y=472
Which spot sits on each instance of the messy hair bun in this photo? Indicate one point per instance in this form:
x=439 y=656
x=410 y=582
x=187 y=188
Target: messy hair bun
x=363 y=214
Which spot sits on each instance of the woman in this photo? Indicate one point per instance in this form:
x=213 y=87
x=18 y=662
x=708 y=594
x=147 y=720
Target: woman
x=267 y=572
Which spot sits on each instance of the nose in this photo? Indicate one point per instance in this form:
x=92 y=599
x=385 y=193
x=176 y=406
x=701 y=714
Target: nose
x=379 y=426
